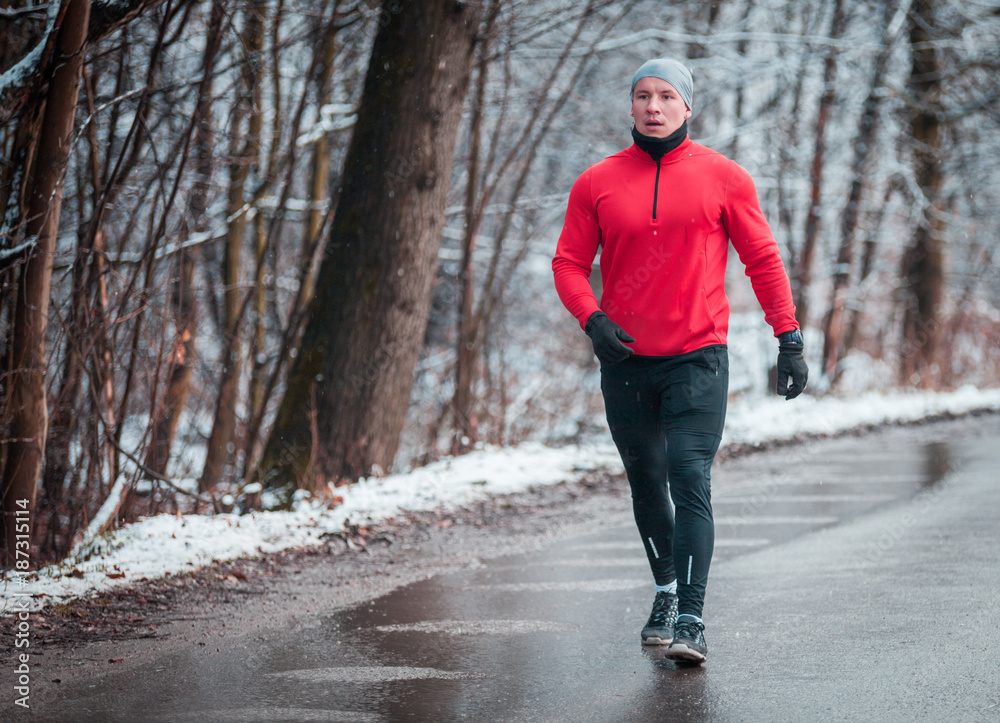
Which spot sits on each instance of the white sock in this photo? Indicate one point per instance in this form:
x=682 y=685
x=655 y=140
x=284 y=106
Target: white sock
x=690 y=618
x=671 y=587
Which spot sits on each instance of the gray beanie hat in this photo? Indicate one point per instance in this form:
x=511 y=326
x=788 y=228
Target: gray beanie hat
x=670 y=70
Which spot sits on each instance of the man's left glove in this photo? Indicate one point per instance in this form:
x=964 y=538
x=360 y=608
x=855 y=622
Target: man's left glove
x=791 y=364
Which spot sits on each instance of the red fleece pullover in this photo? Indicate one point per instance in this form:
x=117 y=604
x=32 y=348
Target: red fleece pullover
x=664 y=236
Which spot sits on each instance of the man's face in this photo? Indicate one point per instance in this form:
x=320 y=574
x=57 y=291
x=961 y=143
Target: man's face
x=657 y=108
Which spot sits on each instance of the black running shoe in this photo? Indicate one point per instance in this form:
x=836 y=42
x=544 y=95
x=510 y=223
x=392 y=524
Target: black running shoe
x=659 y=628
x=688 y=645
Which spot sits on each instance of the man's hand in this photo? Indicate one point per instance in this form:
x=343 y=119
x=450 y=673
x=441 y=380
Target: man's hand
x=607 y=338
x=791 y=365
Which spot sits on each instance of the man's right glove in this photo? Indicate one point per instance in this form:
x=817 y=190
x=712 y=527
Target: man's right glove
x=607 y=338
x=791 y=364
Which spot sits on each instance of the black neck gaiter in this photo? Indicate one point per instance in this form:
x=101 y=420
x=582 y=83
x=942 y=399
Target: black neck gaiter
x=657 y=148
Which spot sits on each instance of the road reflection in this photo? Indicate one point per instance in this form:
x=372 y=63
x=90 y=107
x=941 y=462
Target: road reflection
x=937 y=462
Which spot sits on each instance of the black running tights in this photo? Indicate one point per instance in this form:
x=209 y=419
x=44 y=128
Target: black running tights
x=666 y=416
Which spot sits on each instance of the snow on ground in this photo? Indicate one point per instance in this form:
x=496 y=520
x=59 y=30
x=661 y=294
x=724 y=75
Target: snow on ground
x=774 y=418
x=164 y=544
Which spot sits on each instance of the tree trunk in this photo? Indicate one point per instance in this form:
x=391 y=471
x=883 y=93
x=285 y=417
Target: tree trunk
x=923 y=264
x=864 y=148
x=84 y=339
x=464 y=422
x=868 y=256
x=701 y=22
x=183 y=301
x=262 y=228
x=27 y=403
x=319 y=181
x=63 y=420
x=473 y=318
x=349 y=388
x=787 y=175
x=741 y=52
x=222 y=438
x=322 y=67
x=803 y=268
x=181 y=365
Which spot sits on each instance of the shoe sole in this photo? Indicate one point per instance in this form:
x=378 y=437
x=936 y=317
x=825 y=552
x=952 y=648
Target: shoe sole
x=656 y=640
x=682 y=652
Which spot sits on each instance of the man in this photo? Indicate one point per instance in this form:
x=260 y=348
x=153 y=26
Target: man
x=663 y=212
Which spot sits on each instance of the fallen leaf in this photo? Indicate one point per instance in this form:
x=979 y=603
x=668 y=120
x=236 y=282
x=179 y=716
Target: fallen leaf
x=116 y=660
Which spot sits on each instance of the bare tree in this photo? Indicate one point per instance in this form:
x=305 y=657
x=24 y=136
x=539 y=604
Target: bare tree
x=472 y=318
x=183 y=297
x=342 y=413
x=27 y=402
x=485 y=185
x=313 y=238
x=863 y=151
x=804 y=263
x=922 y=271
x=245 y=157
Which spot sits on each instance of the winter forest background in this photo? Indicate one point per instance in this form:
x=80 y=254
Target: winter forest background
x=229 y=264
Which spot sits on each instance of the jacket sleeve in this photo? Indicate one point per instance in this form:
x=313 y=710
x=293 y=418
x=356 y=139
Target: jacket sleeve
x=752 y=238
x=575 y=252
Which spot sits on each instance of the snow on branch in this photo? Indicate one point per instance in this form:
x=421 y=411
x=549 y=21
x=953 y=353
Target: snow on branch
x=328 y=123
x=8 y=253
x=15 y=13
x=537 y=202
x=105 y=515
x=15 y=80
x=197 y=239
x=104 y=106
x=106 y=16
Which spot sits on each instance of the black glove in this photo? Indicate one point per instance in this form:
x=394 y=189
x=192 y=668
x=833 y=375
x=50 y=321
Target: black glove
x=791 y=365
x=607 y=338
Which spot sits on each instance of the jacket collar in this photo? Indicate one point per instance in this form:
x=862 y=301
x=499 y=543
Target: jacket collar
x=671 y=157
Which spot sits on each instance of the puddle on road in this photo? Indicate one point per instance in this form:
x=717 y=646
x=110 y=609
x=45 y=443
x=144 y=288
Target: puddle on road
x=478 y=627
x=271 y=714
x=938 y=463
x=372 y=674
x=844 y=480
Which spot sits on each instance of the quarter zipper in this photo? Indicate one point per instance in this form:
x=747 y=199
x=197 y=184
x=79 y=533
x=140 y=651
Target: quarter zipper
x=656 y=185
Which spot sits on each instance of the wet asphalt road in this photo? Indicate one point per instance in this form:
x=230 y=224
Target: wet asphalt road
x=854 y=579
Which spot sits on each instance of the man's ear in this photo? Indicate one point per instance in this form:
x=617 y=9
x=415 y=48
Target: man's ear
x=687 y=114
